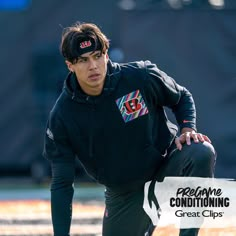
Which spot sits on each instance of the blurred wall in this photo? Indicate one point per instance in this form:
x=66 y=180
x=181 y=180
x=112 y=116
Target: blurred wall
x=33 y=71
x=195 y=44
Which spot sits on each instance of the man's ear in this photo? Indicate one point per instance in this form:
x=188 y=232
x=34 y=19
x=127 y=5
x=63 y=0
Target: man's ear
x=107 y=56
x=69 y=65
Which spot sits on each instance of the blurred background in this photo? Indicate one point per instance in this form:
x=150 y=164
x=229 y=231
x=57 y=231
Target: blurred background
x=194 y=41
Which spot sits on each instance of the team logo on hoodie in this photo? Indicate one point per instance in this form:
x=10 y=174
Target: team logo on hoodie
x=132 y=106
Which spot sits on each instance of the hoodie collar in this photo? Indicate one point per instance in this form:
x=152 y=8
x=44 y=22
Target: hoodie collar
x=73 y=89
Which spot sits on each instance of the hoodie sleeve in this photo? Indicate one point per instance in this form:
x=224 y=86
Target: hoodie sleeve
x=166 y=92
x=57 y=150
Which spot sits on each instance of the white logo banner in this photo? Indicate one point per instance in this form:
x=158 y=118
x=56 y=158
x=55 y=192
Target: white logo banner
x=191 y=202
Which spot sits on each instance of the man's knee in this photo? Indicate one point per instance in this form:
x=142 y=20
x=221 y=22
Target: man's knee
x=204 y=152
x=203 y=157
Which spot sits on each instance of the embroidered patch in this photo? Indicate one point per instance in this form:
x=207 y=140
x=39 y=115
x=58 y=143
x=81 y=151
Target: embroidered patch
x=132 y=106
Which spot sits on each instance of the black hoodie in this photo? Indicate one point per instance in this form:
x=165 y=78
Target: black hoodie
x=110 y=138
x=120 y=136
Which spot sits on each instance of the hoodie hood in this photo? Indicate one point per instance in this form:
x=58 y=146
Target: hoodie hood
x=73 y=89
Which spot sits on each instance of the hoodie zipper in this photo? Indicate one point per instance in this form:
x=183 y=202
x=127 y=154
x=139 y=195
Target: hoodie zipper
x=91 y=123
x=91 y=134
x=91 y=104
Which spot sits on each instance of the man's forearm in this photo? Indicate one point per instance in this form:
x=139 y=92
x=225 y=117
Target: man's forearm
x=61 y=197
x=61 y=210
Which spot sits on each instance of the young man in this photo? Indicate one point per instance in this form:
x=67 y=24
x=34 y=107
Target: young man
x=111 y=116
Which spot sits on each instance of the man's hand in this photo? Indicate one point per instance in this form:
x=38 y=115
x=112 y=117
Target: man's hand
x=187 y=136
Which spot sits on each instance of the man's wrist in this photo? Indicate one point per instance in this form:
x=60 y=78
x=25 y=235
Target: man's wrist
x=186 y=129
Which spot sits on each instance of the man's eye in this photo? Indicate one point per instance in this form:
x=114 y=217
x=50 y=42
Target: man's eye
x=98 y=55
x=82 y=60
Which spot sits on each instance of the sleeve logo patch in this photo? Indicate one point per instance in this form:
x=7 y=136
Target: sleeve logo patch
x=50 y=134
x=132 y=106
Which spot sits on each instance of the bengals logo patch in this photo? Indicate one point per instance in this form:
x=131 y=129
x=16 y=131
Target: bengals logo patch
x=132 y=106
x=85 y=44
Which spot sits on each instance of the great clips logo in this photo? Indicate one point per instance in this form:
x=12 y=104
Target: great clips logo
x=191 y=202
x=132 y=106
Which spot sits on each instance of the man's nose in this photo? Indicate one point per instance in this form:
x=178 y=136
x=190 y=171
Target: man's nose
x=92 y=64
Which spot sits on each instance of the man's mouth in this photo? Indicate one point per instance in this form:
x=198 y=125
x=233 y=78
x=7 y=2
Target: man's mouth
x=94 y=76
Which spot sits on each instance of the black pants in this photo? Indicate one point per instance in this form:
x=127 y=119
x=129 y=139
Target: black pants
x=124 y=214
